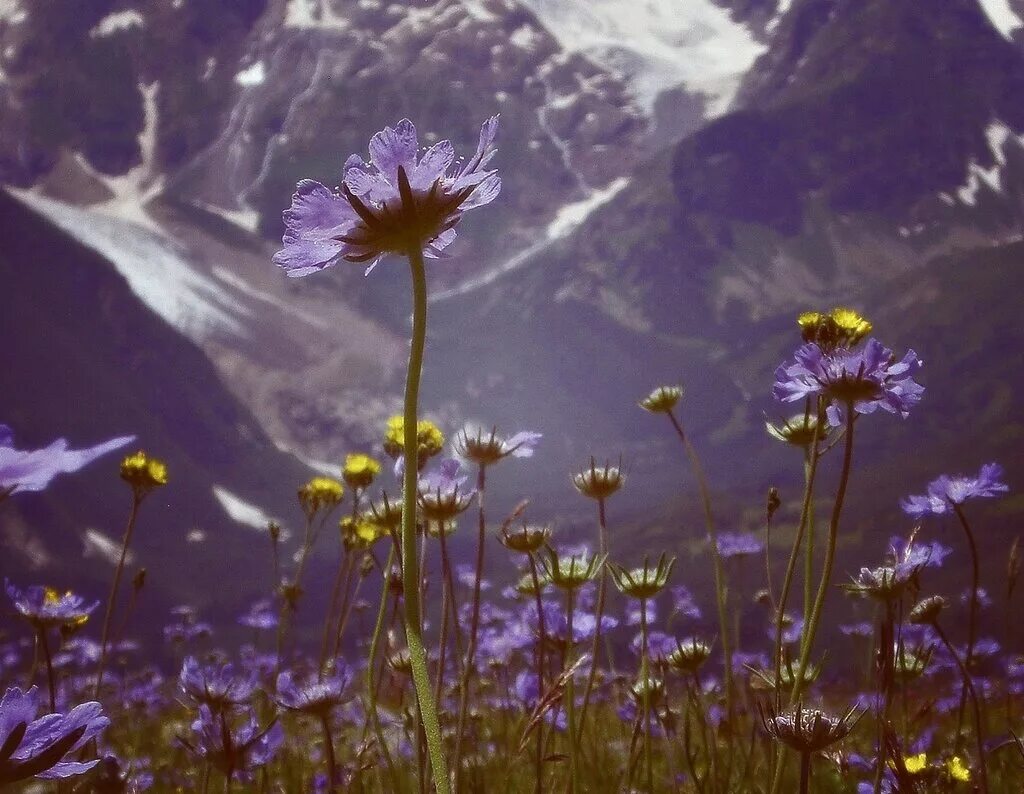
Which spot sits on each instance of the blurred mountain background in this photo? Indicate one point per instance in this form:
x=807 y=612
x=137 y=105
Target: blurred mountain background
x=680 y=179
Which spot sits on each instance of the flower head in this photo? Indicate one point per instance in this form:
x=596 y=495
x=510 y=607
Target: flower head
x=643 y=583
x=46 y=747
x=429 y=439
x=839 y=328
x=662 y=400
x=806 y=730
x=689 y=655
x=46 y=608
x=738 y=544
x=32 y=470
x=525 y=538
x=570 y=571
x=927 y=610
x=233 y=749
x=599 y=482
x=442 y=493
x=359 y=470
x=867 y=379
x=395 y=203
x=320 y=493
x=143 y=473
x=946 y=491
x=216 y=685
x=314 y=696
x=798 y=430
x=486 y=448
x=360 y=532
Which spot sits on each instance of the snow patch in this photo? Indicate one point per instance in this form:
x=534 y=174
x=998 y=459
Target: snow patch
x=1003 y=17
x=96 y=544
x=252 y=75
x=312 y=14
x=780 y=12
x=998 y=136
x=241 y=511
x=656 y=45
x=568 y=218
x=156 y=269
x=476 y=9
x=116 y=22
x=12 y=12
x=524 y=37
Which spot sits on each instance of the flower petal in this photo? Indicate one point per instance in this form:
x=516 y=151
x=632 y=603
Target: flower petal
x=391 y=148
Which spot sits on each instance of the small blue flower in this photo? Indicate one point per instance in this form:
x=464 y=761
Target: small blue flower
x=31 y=747
x=868 y=379
x=389 y=204
x=216 y=685
x=946 y=491
x=32 y=470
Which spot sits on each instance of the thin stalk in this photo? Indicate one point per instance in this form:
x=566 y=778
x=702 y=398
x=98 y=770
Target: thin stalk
x=972 y=621
x=723 y=623
x=112 y=598
x=570 y=694
x=809 y=557
x=644 y=676
x=539 y=654
x=469 y=668
x=830 y=556
x=599 y=613
x=410 y=565
x=50 y=678
x=344 y=575
x=350 y=602
x=332 y=766
x=805 y=773
x=975 y=704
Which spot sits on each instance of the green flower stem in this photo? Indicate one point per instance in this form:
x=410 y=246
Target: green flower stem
x=972 y=620
x=787 y=582
x=539 y=654
x=598 y=615
x=344 y=575
x=809 y=558
x=570 y=693
x=372 y=686
x=645 y=677
x=332 y=765
x=410 y=564
x=112 y=598
x=469 y=668
x=51 y=680
x=720 y=585
x=830 y=556
x=975 y=704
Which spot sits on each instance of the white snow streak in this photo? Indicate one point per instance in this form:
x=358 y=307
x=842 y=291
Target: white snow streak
x=998 y=135
x=657 y=44
x=241 y=511
x=116 y=22
x=1003 y=17
x=252 y=75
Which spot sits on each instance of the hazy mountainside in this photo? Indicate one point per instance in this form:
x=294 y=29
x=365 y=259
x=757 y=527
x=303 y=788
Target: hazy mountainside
x=84 y=359
x=660 y=221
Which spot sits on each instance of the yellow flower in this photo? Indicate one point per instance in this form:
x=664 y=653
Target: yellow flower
x=143 y=472
x=842 y=327
x=957 y=770
x=320 y=493
x=359 y=470
x=429 y=438
x=915 y=764
x=360 y=533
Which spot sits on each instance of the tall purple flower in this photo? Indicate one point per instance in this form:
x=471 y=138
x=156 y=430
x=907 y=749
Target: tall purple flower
x=32 y=470
x=218 y=686
x=945 y=491
x=234 y=750
x=313 y=696
x=392 y=204
x=42 y=747
x=45 y=607
x=868 y=379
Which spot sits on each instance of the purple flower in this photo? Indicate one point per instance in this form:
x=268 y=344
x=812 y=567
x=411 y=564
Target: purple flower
x=738 y=544
x=217 y=685
x=389 y=204
x=315 y=696
x=914 y=553
x=32 y=470
x=261 y=616
x=45 y=607
x=684 y=603
x=866 y=379
x=945 y=491
x=31 y=747
x=234 y=750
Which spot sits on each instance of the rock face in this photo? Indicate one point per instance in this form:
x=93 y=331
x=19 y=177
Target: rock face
x=871 y=155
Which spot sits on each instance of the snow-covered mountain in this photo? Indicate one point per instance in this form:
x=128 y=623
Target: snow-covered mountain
x=679 y=178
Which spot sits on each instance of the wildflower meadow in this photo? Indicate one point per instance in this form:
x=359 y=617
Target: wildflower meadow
x=538 y=664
